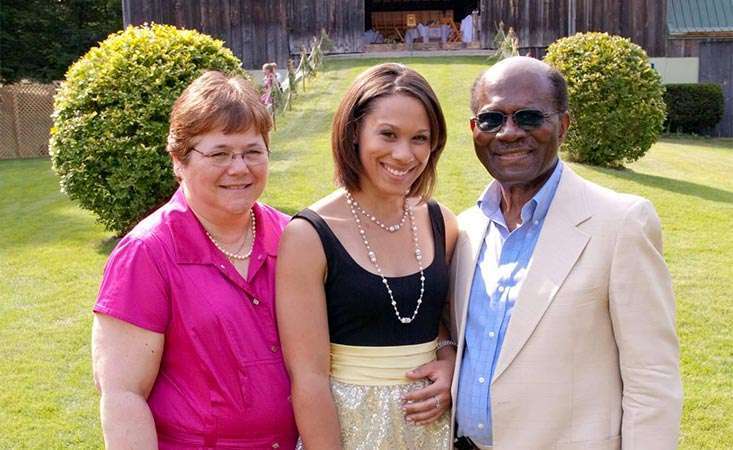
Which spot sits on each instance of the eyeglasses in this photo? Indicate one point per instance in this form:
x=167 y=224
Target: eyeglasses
x=526 y=119
x=252 y=157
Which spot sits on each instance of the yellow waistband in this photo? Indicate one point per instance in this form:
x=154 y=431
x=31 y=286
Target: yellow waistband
x=377 y=366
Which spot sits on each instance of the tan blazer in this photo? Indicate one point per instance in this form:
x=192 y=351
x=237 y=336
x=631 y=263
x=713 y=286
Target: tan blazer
x=591 y=359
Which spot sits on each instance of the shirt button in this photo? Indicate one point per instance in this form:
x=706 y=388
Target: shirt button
x=273 y=349
x=501 y=288
x=222 y=266
x=255 y=301
x=480 y=426
x=275 y=445
x=481 y=380
x=491 y=334
x=260 y=258
x=536 y=222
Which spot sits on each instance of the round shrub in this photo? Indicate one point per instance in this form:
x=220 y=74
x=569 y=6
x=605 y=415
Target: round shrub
x=615 y=98
x=111 y=118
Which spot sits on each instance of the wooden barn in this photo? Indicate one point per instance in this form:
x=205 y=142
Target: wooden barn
x=703 y=29
x=260 y=31
x=692 y=23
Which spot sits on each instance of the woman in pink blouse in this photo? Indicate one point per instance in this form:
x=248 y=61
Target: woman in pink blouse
x=185 y=347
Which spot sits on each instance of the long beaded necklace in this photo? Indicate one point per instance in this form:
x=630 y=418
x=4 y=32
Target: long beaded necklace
x=373 y=258
x=379 y=223
x=237 y=255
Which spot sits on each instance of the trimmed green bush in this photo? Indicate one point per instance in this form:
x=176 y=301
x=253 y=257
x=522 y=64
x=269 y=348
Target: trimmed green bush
x=615 y=98
x=111 y=118
x=693 y=108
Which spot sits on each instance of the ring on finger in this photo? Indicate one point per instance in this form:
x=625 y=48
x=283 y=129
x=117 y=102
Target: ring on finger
x=437 y=402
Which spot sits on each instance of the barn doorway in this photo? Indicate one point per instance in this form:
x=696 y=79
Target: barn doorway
x=420 y=23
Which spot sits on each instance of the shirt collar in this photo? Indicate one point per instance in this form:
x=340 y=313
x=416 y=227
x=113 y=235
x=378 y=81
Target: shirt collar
x=268 y=235
x=535 y=209
x=543 y=198
x=191 y=244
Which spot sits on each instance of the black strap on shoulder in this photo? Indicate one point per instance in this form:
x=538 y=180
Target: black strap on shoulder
x=436 y=221
x=328 y=239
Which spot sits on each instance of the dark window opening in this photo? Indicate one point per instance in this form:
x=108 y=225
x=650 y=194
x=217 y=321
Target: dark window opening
x=389 y=17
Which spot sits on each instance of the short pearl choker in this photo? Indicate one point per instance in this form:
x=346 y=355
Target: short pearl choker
x=373 y=257
x=232 y=255
x=389 y=228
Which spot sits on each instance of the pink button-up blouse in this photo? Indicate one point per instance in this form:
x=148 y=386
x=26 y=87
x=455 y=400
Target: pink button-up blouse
x=222 y=382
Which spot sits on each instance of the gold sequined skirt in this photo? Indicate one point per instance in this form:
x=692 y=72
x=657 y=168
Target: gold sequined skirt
x=372 y=418
x=367 y=384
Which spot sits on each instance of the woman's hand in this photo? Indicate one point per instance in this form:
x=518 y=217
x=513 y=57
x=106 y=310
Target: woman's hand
x=426 y=405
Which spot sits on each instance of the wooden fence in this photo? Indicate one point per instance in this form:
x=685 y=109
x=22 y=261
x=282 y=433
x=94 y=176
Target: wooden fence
x=25 y=120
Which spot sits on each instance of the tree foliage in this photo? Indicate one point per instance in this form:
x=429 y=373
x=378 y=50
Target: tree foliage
x=615 y=98
x=39 y=39
x=111 y=118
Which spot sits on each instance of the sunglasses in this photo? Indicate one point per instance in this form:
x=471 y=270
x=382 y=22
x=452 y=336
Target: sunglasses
x=526 y=119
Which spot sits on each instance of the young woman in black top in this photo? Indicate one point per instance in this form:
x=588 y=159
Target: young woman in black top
x=363 y=278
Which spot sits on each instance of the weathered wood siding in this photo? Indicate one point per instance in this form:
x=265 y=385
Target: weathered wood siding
x=681 y=46
x=343 y=20
x=677 y=47
x=716 y=66
x=539 y=23
x=255 y=30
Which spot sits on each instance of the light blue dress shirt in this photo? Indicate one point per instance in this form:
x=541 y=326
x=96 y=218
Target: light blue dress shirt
x=498 y=276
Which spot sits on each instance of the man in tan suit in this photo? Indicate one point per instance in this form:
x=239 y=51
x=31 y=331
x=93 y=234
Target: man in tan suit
x=562 y=304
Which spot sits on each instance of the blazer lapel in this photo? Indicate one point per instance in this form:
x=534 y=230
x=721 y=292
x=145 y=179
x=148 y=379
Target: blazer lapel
x=558 y=248
x=473 y=233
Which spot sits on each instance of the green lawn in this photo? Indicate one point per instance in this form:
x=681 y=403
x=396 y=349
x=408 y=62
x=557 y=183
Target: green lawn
x=52 y=254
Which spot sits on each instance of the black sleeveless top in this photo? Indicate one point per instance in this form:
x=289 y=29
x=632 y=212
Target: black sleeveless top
x=358 y=305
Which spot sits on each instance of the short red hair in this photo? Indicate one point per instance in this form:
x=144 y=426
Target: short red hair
x=215 y=101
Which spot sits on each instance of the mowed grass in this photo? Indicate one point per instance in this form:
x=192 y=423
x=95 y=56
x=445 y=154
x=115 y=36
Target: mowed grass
x=52 y=255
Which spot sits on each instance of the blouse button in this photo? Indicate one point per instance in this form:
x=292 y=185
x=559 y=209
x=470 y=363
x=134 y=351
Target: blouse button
x=273 y=349
x=255 y=301
x=260 y=257
x=275 y=445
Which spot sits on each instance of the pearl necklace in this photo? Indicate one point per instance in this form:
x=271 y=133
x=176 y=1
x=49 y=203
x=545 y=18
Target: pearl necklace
x=232 y=255
x=389 y=228
x=373 y=257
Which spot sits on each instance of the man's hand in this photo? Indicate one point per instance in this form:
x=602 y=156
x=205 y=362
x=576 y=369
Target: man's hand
x=426 y=405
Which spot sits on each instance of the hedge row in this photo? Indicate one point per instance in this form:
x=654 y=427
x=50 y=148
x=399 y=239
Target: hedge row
x=693 y=108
